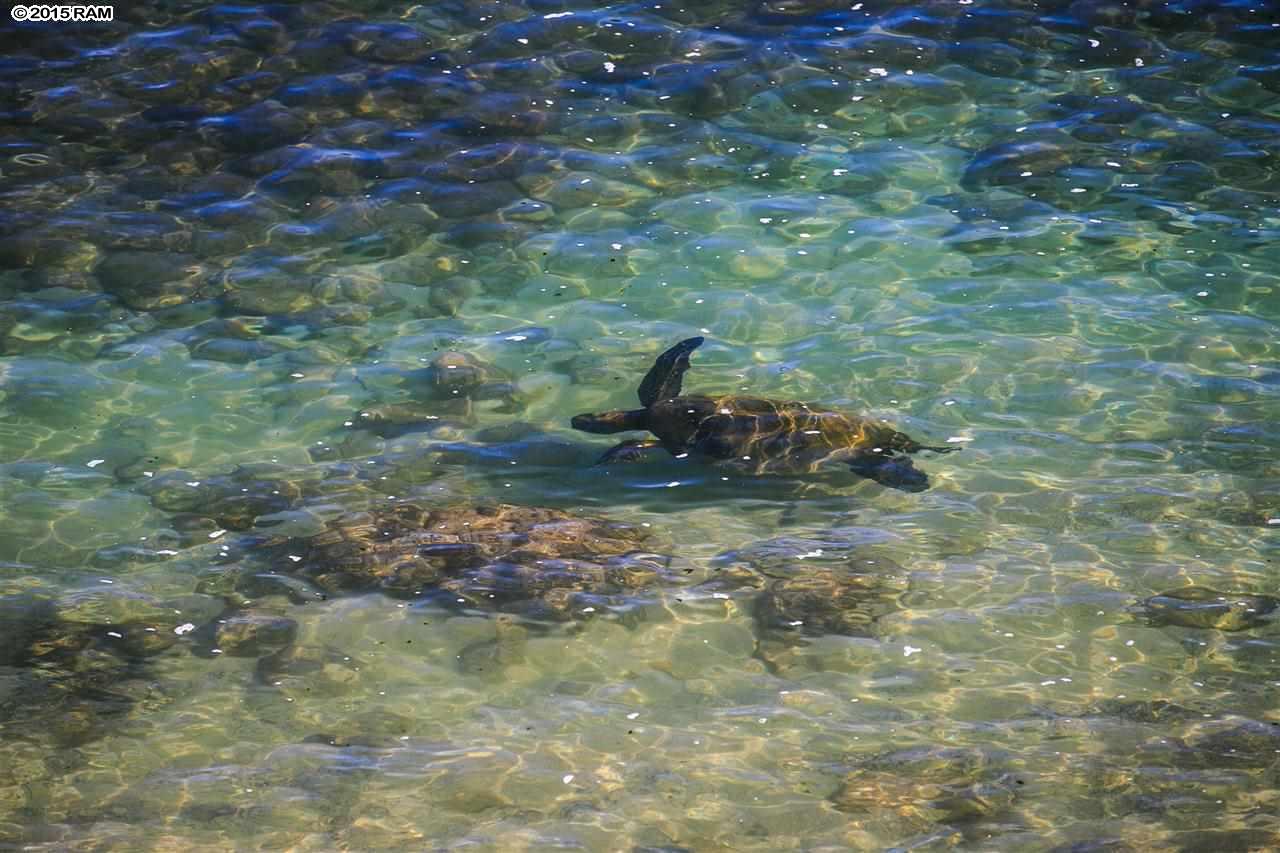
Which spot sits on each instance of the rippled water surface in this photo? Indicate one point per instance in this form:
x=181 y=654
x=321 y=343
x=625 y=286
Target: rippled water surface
x=298 y=548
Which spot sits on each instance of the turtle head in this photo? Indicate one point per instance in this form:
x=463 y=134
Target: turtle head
x=607 y=422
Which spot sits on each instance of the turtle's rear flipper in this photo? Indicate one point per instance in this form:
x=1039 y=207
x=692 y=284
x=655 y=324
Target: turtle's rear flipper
x=896 y=472
x=627 y=451
x=662 y=382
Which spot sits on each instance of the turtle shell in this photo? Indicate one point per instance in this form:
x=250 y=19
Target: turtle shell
x=770 y=436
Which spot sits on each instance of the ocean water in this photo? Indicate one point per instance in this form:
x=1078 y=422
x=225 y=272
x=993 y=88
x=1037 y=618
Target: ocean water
x=299 y=551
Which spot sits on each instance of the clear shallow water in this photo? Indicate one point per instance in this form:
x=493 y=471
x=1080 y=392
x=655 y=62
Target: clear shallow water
x=229 y=232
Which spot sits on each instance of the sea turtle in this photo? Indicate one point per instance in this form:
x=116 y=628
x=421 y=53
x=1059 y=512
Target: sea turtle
x=755 y=435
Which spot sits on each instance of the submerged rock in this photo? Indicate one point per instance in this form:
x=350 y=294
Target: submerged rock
x=254 y=634
x=916 y=788
x=229 y=502
x=1008 y=162
x=70 y=666
x=1234 y=742
x=820 y=601
x=538 y=561
x=1201 y=607
x=814 y=586
x=491 y=657
x=302 y=668
x=150 y=280
x=23 y=617
x=443 y=391
x=826 y=601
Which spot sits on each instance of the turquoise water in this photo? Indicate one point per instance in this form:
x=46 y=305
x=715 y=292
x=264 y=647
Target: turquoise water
x=300 y=551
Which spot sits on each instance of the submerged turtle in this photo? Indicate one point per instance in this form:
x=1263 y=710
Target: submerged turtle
x=756 y=435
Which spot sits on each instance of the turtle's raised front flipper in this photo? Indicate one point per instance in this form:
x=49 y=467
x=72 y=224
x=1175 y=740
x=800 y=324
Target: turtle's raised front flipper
x=627 y=451
x=896 y=472
x=662 y=382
